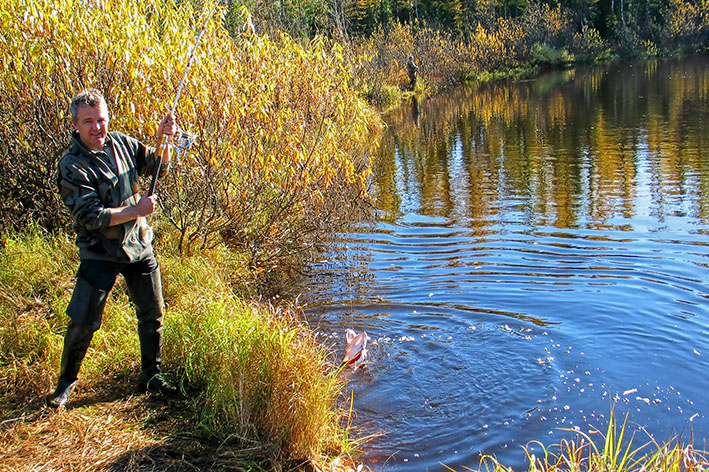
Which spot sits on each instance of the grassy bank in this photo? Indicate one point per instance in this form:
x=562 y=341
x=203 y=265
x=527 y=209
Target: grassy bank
x=260 y=390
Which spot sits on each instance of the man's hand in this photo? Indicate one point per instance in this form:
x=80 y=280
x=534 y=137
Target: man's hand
x=166 y=129
x=145 y=206
x=167 y=126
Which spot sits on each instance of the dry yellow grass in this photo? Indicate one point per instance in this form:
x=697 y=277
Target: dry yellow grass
x=131 y=434
x=80 y=439
x=137 y=433
x=288 y=418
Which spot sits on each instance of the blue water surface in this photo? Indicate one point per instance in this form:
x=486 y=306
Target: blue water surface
x=540 y=257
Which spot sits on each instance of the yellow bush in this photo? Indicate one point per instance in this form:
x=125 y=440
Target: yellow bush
x=588 y=45
x=281 y=138
x=687 y=20
x=446 y=59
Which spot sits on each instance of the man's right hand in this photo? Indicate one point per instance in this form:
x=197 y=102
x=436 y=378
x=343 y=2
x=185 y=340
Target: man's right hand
x=145 y=206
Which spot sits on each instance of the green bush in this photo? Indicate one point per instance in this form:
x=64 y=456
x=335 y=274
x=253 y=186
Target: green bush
x=588 y=46
x=544 y=55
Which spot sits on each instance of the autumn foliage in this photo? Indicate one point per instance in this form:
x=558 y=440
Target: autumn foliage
x=494 y=43
x=281 y=140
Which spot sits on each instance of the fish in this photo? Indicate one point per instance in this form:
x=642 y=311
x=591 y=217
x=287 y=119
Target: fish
x=356 y=349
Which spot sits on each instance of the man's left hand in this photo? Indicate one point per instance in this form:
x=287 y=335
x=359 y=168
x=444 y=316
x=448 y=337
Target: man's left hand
x=167 y=126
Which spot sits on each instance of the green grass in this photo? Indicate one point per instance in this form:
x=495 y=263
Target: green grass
x=255 y=376
x=614 y=450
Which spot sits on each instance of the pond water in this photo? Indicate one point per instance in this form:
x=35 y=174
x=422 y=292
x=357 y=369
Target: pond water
x=541 y=254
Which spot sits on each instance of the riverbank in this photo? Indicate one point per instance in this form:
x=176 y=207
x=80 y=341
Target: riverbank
x=302 y=424
x=258 y=390
x=541 y=38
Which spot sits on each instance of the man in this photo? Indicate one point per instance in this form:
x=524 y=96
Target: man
x=412 y=69
x=98 y=181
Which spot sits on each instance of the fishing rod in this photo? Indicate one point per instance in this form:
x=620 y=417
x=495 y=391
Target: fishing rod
x=164 y=140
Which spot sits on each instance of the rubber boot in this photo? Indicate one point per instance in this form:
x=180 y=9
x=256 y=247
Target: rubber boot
x=145 y=291
x=85 y=310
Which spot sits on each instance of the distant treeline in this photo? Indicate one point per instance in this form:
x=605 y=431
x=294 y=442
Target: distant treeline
x=670 y=25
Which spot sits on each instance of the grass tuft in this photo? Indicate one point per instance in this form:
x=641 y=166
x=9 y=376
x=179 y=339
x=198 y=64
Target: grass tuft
x=615 y=452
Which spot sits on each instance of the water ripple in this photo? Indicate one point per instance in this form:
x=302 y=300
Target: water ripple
x=484 y=342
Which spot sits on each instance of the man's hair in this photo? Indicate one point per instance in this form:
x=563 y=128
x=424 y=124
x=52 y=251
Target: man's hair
x=87 y=98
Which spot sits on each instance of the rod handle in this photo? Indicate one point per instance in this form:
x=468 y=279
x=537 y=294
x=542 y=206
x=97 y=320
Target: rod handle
x=160 y=150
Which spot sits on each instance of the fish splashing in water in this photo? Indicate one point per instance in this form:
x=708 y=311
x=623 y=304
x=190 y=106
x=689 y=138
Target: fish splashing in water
x=356 y=349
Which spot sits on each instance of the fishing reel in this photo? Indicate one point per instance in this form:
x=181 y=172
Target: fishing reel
x=181 y=143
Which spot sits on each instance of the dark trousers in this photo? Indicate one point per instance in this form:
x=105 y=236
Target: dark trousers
x=95 y=280
x=102 y=274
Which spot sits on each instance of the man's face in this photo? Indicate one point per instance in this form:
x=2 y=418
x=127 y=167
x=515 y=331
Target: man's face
x=92 y=125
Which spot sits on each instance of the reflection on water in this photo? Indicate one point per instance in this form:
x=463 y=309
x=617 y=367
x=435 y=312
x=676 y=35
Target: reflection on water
x=542 y=252
x=569 y=149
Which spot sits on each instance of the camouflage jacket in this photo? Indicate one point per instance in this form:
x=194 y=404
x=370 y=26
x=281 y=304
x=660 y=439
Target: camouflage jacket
x=91 y=182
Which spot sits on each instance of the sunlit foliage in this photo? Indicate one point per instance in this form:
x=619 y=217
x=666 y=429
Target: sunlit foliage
x=456 y=40
x=445 y=59
x=298 y=18
x=589 y=46
x=688 y=23
x=665 y=23
x=509 y=38
x=281 y=139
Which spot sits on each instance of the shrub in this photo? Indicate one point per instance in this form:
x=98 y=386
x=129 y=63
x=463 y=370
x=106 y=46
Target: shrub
x=489 y=50
x=687 y=25
x=544 y=55
x=544 y=24
x=260 y=376
x=380 y=60
x=588 y=46
x=631 y=46
x=282 y=141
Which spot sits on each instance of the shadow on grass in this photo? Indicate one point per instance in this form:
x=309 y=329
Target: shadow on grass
x=109 y=426
x=183 y=453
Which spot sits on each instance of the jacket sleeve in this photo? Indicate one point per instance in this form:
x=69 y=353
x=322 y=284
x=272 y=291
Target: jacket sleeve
x=79 y=194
